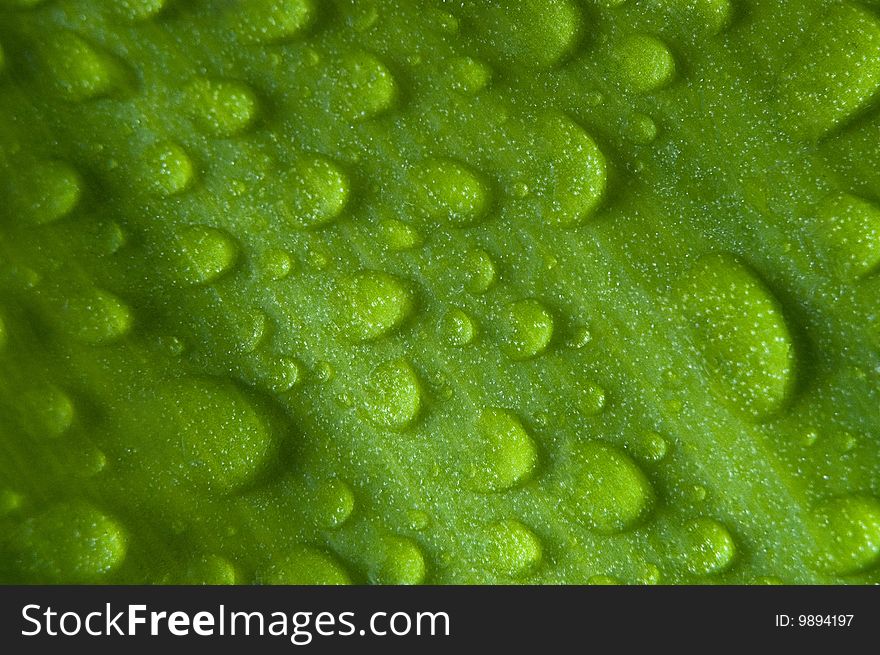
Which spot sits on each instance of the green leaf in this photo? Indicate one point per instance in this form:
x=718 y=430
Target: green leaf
x=568 y=291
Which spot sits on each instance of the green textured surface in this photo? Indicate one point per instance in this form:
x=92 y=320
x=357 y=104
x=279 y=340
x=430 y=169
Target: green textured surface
x=327 y=291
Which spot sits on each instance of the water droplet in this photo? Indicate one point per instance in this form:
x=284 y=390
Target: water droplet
x=10 y=501
x=641 y=129
x=79 y=71
x=366 y=18
x=480 y=271
x=109 y=238
x=591 y=398
x=696 y=493
x=334 y=503
x=708 y=547
x=418 y=520
x=392 y=396
x=810 y=437
x=280 y=374
x=571 y=172
x=209 y=570
x=89 y=462
x=511 y=549
x=319 y=191
x=170 y=344
x=96 y=317
x=168 y=170
x=651 y=575
x=318 y=258
x=593 y=98
x=606 y=489
x=449 y=191
x=273 y=21
x=47 y=412
x=447 y=22
x=469 y=75
x=534 y=34
x=506 y=454
x=223 y=108
x=399 y=562
x=768 y=580
x=650 y=446
x=849 y=534
x=458 y=328
x=702 y=16
x=844 y=441
x=851 y=228
x=365 y=87
x=51 y=192
x=832 y=76
x=204 y=254
x=527 y=329
x=212 y=430
x=72 y=543
x=373 y=304
x=398 y=236
x=277 y=264
x=248 y=329
x=324 y=372
x=520 y=190
x=746 y=342
x=645 y=63
x=582 y=337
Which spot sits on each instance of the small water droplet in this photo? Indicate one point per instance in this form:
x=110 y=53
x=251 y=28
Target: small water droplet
x=527 y=328
x=457 y=327
x=324 y=372
x=418 y=520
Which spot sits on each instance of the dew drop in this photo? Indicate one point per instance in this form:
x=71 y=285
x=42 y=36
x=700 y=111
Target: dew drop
x=527 y=328
x=849 y=533
x=607 y=490
x=480 y=271
x=392 y=396
x=400 y=562
x=511 y=549
x=458 y=328
x=334 y=503
x=373 y=304
x=507 y=455
x=708 y=547
x=204 y=254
